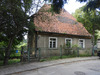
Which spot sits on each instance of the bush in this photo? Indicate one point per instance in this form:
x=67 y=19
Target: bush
x=12 y=56
x=2 y=50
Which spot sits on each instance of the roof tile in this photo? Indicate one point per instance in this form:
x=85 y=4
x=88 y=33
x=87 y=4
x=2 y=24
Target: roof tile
x=63 y=23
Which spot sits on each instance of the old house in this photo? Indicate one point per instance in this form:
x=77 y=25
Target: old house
x=98 y=43
x=53 y=30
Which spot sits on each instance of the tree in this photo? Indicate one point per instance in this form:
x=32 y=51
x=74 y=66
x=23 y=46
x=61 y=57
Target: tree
x=15 y=22
x=91 y=4
x=90 y=20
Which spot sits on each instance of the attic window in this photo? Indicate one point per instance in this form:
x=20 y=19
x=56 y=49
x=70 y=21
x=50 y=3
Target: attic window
x=66 y=20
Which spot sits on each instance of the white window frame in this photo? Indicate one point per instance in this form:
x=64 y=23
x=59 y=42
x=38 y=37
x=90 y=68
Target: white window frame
x=83 y=42
x=56 y=42
x=69 y=39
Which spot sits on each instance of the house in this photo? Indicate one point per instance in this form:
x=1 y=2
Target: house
x=53 y=30
x=98 y=43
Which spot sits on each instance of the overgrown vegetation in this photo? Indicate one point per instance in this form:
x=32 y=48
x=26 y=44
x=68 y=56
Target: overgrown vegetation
x=11 y=61
x=63 y=57
x=15 y=22
x=90 y=20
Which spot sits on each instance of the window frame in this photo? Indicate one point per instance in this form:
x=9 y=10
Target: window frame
x=68 y=39
x=83 y=42
x=55 y=42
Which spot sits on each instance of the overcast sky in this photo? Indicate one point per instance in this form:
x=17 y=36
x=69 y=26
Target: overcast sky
x=72 y=5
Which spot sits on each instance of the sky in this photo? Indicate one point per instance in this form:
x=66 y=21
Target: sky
x=72 y=5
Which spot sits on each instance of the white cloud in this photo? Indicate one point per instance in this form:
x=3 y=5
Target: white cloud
x=72 y=5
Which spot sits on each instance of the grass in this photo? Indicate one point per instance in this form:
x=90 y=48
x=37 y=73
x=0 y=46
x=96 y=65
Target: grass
x=63 y=57
x=57 y=57
x=84 y=55
x=11 y=61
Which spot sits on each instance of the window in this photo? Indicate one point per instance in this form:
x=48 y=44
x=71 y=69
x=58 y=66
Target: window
x=68 y=42
x=52 y=42
x=82 y=43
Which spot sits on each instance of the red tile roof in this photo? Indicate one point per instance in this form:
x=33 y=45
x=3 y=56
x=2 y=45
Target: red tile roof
x=63 y=23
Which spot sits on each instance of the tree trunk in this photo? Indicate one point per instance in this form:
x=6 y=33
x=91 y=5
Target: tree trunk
x=7 y=52
x=93 y=39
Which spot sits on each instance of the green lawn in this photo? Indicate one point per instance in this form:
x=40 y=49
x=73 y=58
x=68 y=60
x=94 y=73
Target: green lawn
x=11 y=61
x=64 y=56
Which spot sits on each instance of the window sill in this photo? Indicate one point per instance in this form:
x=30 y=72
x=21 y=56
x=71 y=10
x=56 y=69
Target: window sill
x=82 y=48
x=53 y=48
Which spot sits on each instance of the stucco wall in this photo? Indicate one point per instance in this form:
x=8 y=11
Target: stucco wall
x=43 y=43
x=88 y=43
x=98 y=43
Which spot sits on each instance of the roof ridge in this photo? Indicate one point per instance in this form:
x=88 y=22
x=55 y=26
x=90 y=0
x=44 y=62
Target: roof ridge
x=58 y=23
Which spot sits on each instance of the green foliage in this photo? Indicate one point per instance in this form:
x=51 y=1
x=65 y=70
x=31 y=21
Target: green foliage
x=23 y=43
x=14 y=23
x=63 y=57
x=14 y=20
x=68 y=45
x=57 y=5
x=84 y=55
x=13 y=53
x=89 y=19
x=57 y=57
x=98 y=33
x=91 y=4
x=75 y=46
x=11 y=61
x=2 y=44
x=51 y=10
x=2 y=53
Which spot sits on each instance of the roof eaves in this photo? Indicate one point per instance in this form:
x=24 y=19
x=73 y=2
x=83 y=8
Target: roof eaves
x=65 y=34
